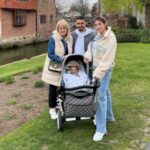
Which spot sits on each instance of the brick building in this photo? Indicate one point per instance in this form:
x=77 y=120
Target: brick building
x=26 y=20
x=46 y=17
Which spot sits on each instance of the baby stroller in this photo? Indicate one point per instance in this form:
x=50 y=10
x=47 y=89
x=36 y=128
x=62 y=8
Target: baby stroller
x=77 y=101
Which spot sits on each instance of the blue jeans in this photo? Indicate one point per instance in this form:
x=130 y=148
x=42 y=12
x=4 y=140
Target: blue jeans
x=104 y=108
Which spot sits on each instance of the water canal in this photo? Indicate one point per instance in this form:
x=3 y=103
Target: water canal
x=17 y=53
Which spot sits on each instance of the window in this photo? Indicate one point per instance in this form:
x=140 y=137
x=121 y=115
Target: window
x=51 y=18
x=19 y=17
x=43 y=19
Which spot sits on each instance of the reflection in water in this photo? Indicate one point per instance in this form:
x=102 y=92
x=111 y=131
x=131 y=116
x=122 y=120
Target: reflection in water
x=18 y=53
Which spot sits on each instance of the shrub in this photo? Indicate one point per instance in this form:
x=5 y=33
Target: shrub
x=12 y=101
x=145 y=36
x=127 y=36
x=7 y=79
x=26 y=105
x=9 y=116
x=16 y=94
x=132 y=22
x=38 y=84
x=24 y=77
x=131 y=35
x=37 y=70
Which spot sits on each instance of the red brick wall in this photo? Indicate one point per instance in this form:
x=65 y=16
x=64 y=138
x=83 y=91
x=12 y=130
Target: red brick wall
x=2 y=3
x=16 y=4
x=9 y=30
x=0 y=25
x=45 y=7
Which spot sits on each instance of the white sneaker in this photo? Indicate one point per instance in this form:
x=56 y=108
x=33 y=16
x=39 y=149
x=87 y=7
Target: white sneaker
x=53 y=114
x=98 y=136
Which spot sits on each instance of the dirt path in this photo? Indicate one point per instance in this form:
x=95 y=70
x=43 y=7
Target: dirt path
x=21 y=101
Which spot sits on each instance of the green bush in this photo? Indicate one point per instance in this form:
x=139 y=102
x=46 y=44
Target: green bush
x=145 y=36
x=127 y=36
x=37 y=70
x=24 y=77
x=12 y=101
x=26 y=105
x=132 y=22
x=132 y=35
x=38 y=84
x=16 y=94
x=7 y=79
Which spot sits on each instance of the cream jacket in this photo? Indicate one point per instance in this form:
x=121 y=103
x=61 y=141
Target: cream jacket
x=102 y=50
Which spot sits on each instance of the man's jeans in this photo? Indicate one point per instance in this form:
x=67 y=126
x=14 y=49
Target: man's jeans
x=104 y=108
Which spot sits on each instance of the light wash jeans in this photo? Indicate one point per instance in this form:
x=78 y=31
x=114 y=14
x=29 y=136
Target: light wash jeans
x=104 y=108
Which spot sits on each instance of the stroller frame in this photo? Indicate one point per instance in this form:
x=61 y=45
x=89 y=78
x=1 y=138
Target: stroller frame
x=85 y=93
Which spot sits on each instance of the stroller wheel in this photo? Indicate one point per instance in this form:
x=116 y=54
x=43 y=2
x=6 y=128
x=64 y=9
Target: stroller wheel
x=59 y=121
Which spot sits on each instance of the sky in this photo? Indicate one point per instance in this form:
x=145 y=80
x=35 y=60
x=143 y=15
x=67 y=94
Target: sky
x=92 y=1
x=68 y=2
x=89 y=1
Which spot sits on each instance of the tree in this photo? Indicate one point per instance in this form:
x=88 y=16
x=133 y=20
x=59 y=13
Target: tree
x=61 y=6
x=80 y=6
x=127 y=6
x=147 y=14
x=94 y=10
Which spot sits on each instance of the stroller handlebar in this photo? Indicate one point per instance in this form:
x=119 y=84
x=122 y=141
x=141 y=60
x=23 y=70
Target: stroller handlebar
x=94 y=85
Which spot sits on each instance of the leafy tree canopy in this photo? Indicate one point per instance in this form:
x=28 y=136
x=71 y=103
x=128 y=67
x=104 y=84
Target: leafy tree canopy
x=123 y=5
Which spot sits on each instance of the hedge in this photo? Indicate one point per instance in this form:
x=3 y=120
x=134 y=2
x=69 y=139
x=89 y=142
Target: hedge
x=132 y=35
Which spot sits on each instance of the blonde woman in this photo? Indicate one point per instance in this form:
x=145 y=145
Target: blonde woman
x=103 y=50
x=60 y=44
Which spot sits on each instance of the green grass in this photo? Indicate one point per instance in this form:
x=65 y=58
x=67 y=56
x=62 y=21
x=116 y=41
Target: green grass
x=9 y=79
x=130 y=92
x=12 y=101
x=37 y=69
x=26 y=105
x=39 y=84
x=35 y=63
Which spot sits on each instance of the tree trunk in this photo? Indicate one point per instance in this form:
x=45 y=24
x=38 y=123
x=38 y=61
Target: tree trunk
x=147 y=15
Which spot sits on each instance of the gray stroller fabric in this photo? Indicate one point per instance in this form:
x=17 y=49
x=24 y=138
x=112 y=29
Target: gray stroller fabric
x=79 y=105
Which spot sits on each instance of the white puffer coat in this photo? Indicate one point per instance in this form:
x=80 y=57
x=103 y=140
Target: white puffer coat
x=51 y=77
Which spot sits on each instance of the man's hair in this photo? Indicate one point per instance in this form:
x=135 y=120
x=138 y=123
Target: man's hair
x=80 y=18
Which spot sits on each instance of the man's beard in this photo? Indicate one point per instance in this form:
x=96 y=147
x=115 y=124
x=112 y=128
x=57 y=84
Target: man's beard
x=81 y=29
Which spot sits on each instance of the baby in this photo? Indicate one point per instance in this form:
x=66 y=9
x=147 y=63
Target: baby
x=75 y=77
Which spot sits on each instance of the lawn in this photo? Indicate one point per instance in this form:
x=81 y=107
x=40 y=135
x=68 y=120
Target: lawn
x=131 y=103
x=22 y=66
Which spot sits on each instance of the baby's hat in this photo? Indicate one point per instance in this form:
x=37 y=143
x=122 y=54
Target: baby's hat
x=73 y=63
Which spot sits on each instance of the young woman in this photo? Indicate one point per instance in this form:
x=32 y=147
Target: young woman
x=60 y=44
x=102 y=51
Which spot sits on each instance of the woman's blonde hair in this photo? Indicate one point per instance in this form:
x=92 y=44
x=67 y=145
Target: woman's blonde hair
x=64 y=23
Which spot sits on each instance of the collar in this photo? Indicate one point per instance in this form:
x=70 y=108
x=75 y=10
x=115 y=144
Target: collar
x=86 y=32
x=107 y=33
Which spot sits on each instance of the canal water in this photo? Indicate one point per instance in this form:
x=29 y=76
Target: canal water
x=13 y=54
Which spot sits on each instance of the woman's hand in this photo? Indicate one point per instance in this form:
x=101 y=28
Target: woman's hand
x=96 y=78
x=63 y=58
x=86 y=60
